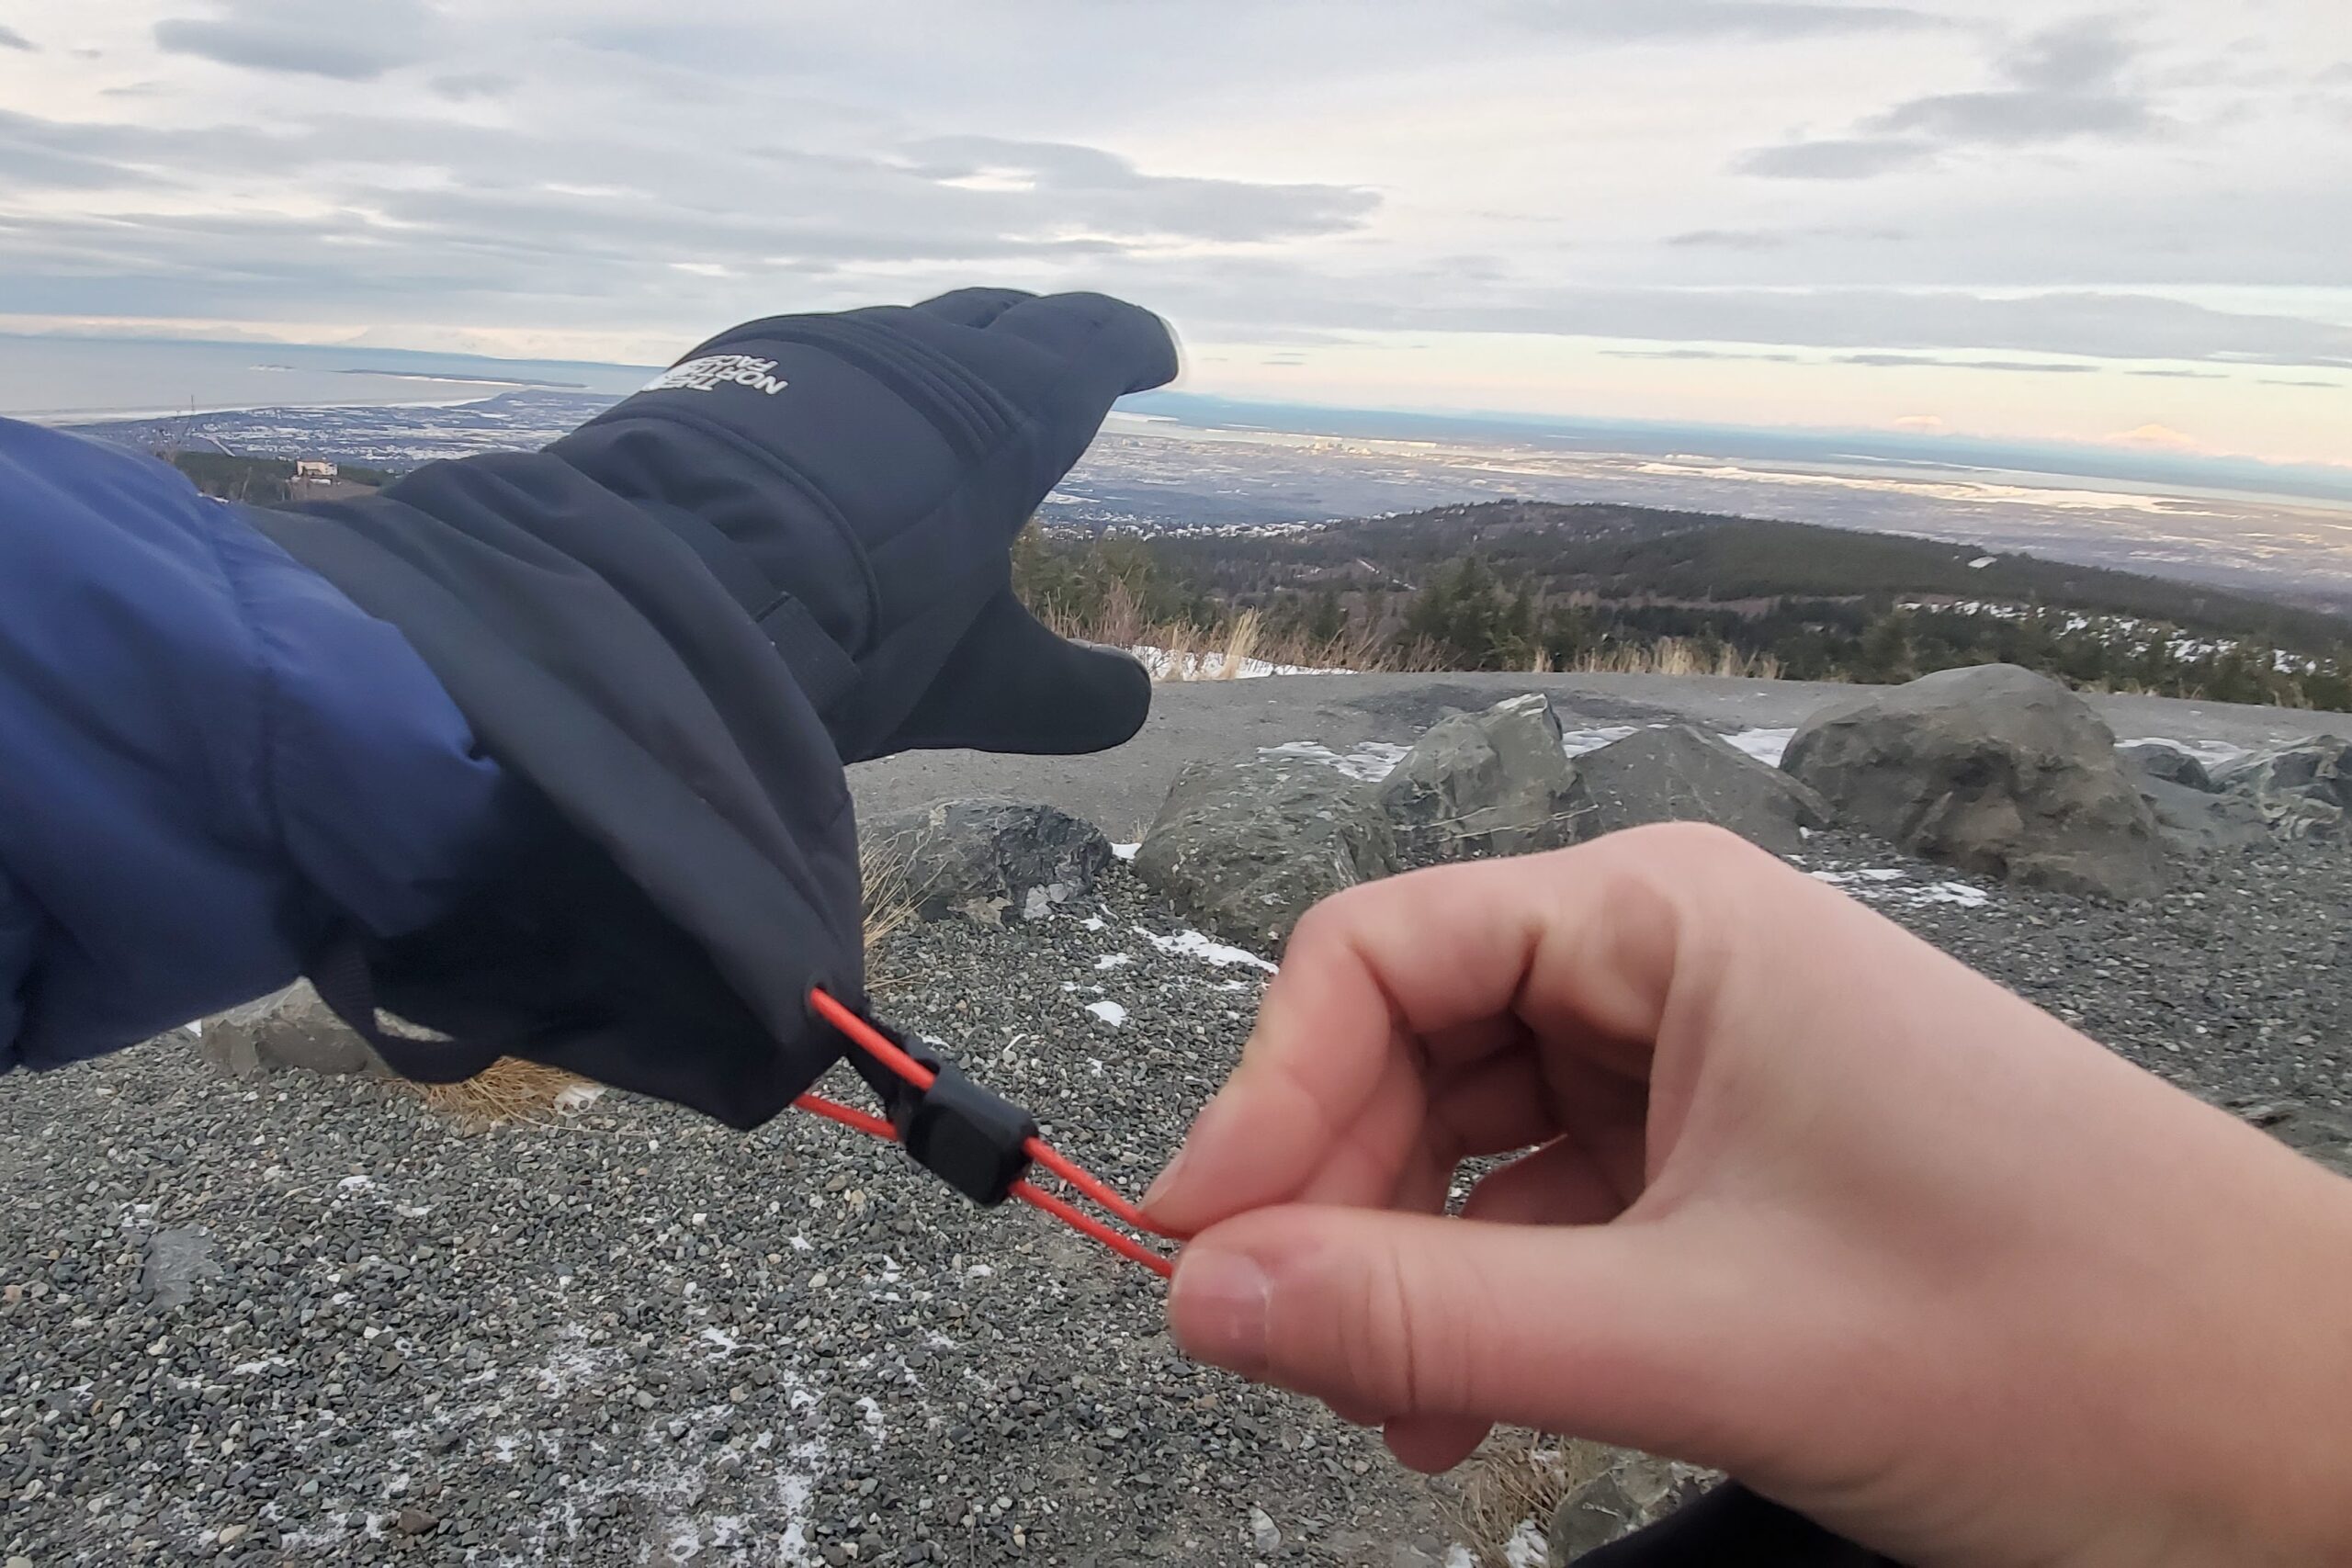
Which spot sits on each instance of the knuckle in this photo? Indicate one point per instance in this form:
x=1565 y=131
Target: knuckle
x=1396 y=1349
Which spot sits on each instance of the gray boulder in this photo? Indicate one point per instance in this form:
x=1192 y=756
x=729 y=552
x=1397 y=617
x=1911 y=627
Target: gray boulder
x=987 y=861
x=1681 y=775
x=291 y=1028
x=2157 y=760
x=1496 y=782
x=1246 y=848
x=1635 y=1492
x=1993 y=768
x=2301 y=791
x=2196 y=815
x=2197 y=822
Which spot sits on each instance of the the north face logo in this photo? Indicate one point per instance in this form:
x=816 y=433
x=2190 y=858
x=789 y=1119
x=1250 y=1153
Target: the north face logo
x=714 y=371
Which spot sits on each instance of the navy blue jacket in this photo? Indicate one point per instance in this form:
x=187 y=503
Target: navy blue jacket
x=670 y=630
x=207 y=756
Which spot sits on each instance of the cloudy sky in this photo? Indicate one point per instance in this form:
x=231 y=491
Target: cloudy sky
x=1997 y=216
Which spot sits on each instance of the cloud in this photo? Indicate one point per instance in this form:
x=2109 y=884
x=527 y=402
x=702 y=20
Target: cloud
x=11 y=39
x=1114 y=197
x=2182 y=374
x=1847 y=158
x=2278 y=382
x=1660 y=20
x=60 y=156
x=473 y=83
x=1920 y=424
x=1699 y=354
x=1775 y=239
x=1908 y=361
x=2063 y=83
x=349 y=43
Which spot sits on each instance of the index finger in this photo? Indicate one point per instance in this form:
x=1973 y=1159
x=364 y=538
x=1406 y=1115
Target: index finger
x=1394 y=998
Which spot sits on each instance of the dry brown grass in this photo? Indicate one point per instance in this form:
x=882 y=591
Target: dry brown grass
x=1190 y=652
x=1678 y=656
x=509 y=1090
x=1516 y=1477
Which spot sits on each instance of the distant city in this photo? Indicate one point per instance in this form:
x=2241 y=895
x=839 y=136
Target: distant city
x=1177 y=461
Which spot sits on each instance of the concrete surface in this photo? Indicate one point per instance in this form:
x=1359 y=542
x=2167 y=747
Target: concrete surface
x=1120 y=791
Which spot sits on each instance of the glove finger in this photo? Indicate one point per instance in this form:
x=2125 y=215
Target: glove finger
x=1132 y=348
x=973 y=307
x=1011 y=685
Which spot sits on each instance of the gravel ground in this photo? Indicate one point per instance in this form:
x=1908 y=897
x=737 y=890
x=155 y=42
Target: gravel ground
x=633 y=1338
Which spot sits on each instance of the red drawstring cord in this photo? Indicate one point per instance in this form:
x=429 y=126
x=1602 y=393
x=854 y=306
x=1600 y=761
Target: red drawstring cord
x=883 y=1050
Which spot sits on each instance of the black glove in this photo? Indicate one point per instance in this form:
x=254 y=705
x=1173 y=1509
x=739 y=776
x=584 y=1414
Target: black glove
x=857 y=482
x=608 y=615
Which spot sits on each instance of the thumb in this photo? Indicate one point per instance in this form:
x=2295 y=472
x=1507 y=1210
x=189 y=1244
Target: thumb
x=1013 y=686
x=1605 y=1331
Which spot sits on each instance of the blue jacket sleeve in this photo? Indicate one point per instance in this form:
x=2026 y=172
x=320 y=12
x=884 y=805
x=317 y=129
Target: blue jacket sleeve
x=210 y=758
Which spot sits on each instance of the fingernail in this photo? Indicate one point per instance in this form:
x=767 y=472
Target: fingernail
x=1164 y=1183
x=1217 y=1308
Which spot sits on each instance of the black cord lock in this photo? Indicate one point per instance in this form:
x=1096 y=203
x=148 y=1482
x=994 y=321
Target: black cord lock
x=970 y=1137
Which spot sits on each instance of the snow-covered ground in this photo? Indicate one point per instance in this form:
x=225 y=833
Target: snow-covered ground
x=1373 y=761
x=1165 y=665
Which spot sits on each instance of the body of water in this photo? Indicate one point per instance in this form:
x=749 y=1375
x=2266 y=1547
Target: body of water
x=85 y=378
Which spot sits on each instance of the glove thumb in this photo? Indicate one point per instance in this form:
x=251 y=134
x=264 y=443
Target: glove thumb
x=1011 y=685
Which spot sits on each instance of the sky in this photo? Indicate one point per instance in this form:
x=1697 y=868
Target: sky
x=2021 y=219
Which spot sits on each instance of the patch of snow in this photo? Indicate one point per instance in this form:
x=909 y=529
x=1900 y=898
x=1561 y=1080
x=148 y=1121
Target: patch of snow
x=1459 y=1557
x=2212 y=753
x=1527 y=1547
x=1981 y=562
x=1370 y=761
x=1111 y=1013
x=578 y=1096
x=356 y=1183
x=1884 y=885
x=1112 y=961
x=1767 y=746
x=1126 y=852
x=1165 y=665
x=1576 y=742
x=1190 y=943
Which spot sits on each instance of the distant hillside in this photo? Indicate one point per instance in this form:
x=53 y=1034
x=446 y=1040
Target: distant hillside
x=1515 y=584
x=266 y=482
x=1632 y=553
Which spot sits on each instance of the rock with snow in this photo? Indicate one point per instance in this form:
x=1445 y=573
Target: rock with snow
x=1635 y=1492
x=988 y=861
x=291 y=1028
x=2173 y=764
x=1678 y=774
x=1496 y=783
x=2196 y=815
x=1991 y=768
x=1245 y=848
x=172 y=1261
x=2301 y=791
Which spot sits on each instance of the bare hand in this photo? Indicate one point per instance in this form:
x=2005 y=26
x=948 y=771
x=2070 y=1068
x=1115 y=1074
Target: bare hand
x=1801 y=1198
